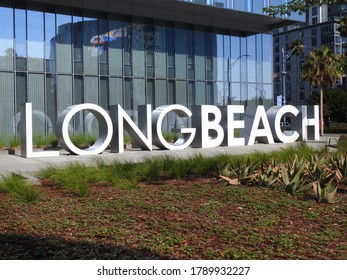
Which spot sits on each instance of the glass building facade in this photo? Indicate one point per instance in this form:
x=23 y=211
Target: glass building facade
x=55 y=56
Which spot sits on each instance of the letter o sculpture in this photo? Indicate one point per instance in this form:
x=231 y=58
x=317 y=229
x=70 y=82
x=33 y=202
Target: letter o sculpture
x=105 y=129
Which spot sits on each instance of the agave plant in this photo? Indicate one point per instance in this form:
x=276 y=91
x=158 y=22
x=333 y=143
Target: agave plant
x=339 y=164
x=226 y=170
x=227 y=173
x=325 y=194
x=239 y=173
x=267 y=176
x=245 y=171
x=292 y=176
x=319 y=172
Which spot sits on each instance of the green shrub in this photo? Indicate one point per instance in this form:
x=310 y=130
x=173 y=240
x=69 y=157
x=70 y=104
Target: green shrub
x=83 y=140
x=52 y=140
x=127 y=139
x=14 y=142
x=40 y=141
x=170 y=137
x=18 y=187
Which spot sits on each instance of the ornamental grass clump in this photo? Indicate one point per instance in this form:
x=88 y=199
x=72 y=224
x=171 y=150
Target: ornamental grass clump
x=40 y=141
x=151 y=169
x=74 y=177
x=18 y=187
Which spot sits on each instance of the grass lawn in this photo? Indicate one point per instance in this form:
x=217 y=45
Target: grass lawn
x=193 y=217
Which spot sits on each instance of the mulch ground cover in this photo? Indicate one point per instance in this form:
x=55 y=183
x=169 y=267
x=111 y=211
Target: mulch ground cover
x=190 y=218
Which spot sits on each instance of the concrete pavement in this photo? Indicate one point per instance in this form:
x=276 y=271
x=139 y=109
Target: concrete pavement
x=17 y=164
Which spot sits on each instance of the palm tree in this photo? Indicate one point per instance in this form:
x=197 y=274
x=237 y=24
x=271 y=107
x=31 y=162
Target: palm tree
x=322 y=70
x=307 y=72
x=297 y=46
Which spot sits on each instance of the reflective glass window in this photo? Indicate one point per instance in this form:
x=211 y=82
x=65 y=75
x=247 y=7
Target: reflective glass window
x=190 y=54
x=218 y=69
x=21 y=90
x=36 y=95
x=258 y=6
x=200 y=93
x=210 y=56
x=63 y=41
x=150 y=89
x=171 y=92
x=64 y=92
x=138 y=35
x=226 y=61
x=252 y=94
x=251 y=59
x=104 y=89
x=181 y=53
x=199 y=59
x=51 y=99
x=35 y=41
x=78 y=98
x=276 y=2
x=20 y=39
x=234 y=62
x=267 y=94
x=221 y=3
x=160 y=50
x=116 y=91
x=50 y=42
x=103 y=41
x=259 y=53
x=77 y=39
x=191 y=94
x=241 y=5
x=181 y=93
x=128 y=94
x=78 y=89
x=92 y=46
x=128 y=48
x=244 y=94
x=220 y=93
x=235 y=94
x=267 y=58
x=170 y=37
x=243 y=59
x=6 y=38
x=160 y=92
x=139 y=93
x=116 y=34
x=210 y=93
x=150 y=46
x=6 y=104
x=91 y=90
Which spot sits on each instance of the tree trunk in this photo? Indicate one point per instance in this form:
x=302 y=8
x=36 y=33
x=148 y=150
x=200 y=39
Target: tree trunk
x=321 y=123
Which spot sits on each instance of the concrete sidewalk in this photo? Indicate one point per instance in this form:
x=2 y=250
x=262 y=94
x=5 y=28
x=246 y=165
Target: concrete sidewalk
x=17 y=164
